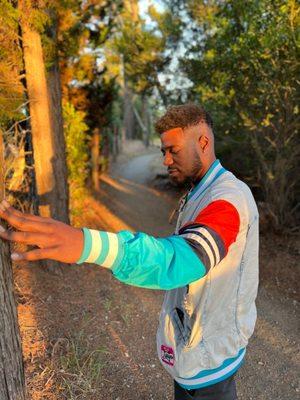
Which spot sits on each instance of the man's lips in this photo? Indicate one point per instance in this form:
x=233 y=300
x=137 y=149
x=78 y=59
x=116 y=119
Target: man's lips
x=172 y=170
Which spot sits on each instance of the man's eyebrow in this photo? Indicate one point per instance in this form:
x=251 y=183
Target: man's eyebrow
x=163 y=148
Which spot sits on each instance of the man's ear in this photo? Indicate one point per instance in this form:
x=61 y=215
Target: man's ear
x=203 y=142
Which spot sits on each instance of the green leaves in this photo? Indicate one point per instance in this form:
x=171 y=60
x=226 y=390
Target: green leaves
x=75 y=130
x=244 y=71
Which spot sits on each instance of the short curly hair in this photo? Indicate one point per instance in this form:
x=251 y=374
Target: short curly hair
x=182 y=116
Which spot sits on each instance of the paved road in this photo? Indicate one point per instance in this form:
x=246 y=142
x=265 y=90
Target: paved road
x=139 y=169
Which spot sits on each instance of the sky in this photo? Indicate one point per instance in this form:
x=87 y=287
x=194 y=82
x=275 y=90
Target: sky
x=145 y=4
x=172 y=79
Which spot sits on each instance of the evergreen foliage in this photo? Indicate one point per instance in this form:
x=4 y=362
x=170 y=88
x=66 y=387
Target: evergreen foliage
x=242 y=61
x=11 y=88
x=75 y=130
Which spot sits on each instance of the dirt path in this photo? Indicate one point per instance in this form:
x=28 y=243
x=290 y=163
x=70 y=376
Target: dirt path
x=273 y=363
x=83 y=310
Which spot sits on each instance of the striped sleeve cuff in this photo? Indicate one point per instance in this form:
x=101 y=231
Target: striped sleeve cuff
x=207 y=244
x=102 y=248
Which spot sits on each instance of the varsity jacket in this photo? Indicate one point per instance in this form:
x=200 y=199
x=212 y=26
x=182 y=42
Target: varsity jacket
x=209 y=269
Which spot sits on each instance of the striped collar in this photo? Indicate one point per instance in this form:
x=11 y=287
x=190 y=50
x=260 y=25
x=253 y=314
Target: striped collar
x=211 y=175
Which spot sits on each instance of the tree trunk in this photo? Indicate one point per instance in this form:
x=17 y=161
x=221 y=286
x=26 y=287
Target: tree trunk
x=123 y=138
x=95 y=158
x=128 y=117
x=116 y=148
x=56 y=114
x=132 y=9
x=12 y=380
x=149 y=122
x=105 y=152
x=128 y=111
x=146 y=120
x=47 y=138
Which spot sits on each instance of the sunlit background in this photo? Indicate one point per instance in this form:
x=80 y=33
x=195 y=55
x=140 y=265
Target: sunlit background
x=81 y=86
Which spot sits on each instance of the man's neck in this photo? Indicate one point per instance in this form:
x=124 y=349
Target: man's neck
x=203 y=171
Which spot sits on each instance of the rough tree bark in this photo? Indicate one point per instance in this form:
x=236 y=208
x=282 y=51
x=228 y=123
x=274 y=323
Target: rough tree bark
x=55 y=99
x=46 y=125
x=12 y=380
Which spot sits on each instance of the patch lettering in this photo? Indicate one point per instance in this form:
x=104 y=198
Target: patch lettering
x=167 y=355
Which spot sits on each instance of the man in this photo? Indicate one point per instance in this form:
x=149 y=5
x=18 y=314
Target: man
x=209 y=266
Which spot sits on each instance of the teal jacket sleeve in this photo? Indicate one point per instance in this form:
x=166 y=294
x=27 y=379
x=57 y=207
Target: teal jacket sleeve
x=142 y=260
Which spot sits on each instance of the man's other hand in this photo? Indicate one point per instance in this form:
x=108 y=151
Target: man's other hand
x=55 y=240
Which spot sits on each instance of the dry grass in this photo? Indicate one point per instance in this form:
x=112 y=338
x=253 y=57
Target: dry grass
x=77 y=366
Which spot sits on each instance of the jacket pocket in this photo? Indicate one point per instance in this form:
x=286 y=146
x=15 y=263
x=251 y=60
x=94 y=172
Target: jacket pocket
x=181 y=326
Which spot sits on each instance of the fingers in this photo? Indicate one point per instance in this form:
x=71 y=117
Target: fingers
x=37 y=239
x=4 y=205
x=24 y=222
x=34 y=255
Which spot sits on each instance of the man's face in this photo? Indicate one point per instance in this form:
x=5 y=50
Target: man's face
x=180 y=155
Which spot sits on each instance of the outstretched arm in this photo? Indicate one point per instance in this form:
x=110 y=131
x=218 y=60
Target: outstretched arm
x=134 y=258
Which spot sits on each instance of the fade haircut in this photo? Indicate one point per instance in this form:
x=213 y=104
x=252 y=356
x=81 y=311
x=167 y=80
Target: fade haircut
x=182 y=116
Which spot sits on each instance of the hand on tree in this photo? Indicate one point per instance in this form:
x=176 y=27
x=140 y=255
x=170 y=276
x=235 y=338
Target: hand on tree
x=55 y=240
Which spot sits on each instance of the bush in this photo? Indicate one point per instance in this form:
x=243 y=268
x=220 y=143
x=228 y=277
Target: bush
x=75 y=130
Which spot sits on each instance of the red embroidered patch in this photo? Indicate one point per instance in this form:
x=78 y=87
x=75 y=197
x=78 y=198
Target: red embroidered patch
x=167 y=355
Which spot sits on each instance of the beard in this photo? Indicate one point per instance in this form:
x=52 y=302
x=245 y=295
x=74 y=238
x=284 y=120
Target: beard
x=190 y=177
x=196 y=168
x=193 y=177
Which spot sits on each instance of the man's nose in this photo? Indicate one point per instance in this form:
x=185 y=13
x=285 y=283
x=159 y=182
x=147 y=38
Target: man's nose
x=168 y=160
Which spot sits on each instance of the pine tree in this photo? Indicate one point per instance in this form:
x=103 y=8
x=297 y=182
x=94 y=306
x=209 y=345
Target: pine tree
x=11 y=88
x=135 y=54
x=12 y=380
x=45 y=111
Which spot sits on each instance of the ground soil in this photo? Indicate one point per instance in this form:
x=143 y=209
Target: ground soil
x=75 y=319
